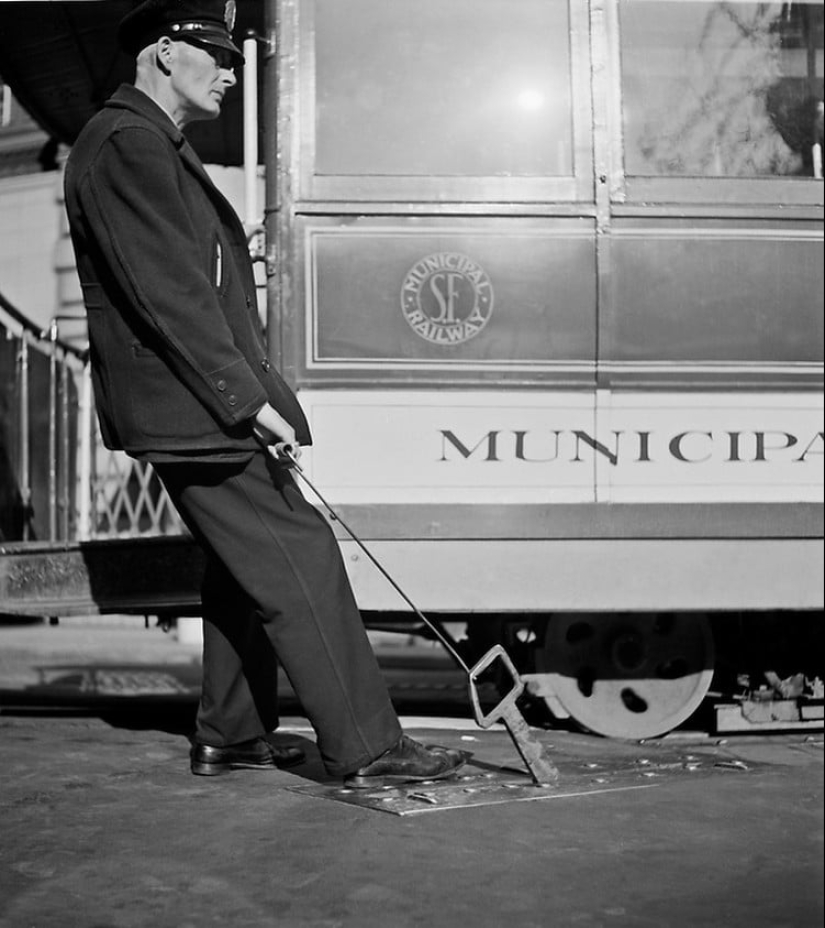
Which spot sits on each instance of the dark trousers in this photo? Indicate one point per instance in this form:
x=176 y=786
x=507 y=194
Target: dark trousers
x=275 y=591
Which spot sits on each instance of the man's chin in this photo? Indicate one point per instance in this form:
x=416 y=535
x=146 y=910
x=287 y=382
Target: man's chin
x=206 y=114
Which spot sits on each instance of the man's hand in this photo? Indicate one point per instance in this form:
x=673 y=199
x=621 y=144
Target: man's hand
x=270 y=428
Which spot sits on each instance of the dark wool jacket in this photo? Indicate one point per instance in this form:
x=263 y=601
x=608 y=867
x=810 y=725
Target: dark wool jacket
x=178 y=356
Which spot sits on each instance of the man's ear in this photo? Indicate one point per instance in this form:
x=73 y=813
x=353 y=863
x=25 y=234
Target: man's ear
x=163 y=54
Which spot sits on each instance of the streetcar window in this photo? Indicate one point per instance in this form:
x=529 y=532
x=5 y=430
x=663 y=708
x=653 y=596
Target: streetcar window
x=730 y=89
x=443 y=87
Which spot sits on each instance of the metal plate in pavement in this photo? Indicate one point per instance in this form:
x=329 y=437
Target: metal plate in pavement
x=483 y=785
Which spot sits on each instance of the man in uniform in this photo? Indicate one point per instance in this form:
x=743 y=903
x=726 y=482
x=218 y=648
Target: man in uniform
x=182 y=380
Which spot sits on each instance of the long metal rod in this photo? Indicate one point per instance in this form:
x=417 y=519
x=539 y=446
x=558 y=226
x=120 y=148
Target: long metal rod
x=25 y=451
x=84 y=482
x=64 y=472
x=275 y=233
x=285 y=455
x=250 y=131
x=53 y=432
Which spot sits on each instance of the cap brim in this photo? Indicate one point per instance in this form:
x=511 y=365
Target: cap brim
x=206 y=37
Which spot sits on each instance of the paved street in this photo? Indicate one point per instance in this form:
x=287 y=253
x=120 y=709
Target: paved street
x=104 y=826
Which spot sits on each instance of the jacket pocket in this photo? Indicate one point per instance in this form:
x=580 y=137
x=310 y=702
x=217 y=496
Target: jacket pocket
x=160 y=405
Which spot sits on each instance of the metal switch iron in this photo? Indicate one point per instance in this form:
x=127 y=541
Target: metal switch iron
x=543 y=772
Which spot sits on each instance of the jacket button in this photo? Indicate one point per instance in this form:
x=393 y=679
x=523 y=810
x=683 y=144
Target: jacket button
x=231 y=399
x=265 y=364
x=221 y=385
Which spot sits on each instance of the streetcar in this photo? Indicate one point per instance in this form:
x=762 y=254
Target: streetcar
x=547 y=276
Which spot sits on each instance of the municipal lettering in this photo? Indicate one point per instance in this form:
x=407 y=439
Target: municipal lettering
x=577 y=446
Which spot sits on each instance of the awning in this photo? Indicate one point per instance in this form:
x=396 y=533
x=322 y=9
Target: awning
x=62 y=62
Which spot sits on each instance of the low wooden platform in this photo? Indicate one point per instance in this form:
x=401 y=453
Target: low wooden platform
x=144 y=576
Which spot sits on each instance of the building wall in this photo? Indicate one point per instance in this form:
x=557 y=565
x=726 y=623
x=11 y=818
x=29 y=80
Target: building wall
x=29 y=230
x=24 y=147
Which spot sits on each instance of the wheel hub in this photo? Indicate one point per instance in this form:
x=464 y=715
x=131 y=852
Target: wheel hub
x=628 y=676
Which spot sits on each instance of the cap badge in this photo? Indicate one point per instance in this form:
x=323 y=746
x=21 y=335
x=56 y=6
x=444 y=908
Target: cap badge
x=229 y=14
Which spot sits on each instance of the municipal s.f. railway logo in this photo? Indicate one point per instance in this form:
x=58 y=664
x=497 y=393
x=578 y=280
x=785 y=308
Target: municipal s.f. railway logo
x=447 y=298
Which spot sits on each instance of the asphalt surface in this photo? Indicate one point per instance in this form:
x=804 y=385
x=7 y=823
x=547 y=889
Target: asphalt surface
x=103 y=826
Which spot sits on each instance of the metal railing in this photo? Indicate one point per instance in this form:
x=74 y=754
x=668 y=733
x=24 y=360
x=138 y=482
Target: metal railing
x=68 y=487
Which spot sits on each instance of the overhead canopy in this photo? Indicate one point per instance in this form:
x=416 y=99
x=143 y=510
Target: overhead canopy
x=61 y=61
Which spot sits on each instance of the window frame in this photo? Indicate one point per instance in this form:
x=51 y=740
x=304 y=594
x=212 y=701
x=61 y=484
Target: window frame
x=637 y=189
x=332 y=188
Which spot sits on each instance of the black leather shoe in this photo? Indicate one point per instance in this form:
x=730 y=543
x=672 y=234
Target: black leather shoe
x=407 y=761
x=257 y=754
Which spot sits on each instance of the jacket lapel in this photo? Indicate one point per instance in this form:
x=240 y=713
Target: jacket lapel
x=130 y=98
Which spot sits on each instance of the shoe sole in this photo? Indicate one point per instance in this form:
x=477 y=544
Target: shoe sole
x=201 y=769
x=396 y=779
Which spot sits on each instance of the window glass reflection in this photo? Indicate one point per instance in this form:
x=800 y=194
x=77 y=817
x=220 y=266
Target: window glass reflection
x=729 y=89
x=443 y=87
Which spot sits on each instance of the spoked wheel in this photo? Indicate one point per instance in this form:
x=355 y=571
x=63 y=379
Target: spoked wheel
x=628 y=675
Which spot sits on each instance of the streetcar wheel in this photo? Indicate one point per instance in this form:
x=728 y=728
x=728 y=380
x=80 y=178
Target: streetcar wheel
x=628 y=675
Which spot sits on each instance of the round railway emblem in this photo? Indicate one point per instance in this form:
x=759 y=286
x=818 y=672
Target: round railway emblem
x=447 y=298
